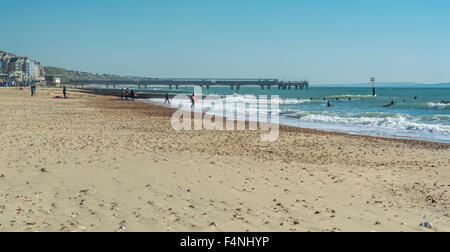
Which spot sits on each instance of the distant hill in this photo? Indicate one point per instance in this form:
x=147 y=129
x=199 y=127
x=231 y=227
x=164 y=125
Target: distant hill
x=439 y=85
x=388 y=85
x=77 y=75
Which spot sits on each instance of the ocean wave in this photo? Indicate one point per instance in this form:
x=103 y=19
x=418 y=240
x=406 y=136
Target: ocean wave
x=440 y=106
x=355 y=96
x=282 y=101
x=424 y=106
x=397 y=123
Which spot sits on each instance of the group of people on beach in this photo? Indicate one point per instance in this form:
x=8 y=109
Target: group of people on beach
x=132 y=94
x=192 y=98
x=128 y=94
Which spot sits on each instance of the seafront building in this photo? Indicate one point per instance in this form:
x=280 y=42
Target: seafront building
x=20 y=68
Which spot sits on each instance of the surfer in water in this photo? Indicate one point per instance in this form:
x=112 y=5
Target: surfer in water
x=329 y=104
x=392 y=103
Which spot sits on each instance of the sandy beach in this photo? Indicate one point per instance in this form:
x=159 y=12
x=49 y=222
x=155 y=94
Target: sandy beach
x=95 y=163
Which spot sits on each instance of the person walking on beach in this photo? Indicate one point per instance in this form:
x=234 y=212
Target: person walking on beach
x=133 y=95
x=33 y=90
x=167 y=98
x=193 y=101
x=121 y=94
x=127 y=94
x=65 y=92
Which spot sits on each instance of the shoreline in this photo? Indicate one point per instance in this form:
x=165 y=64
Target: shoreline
x=425 y=143
x=150 y=95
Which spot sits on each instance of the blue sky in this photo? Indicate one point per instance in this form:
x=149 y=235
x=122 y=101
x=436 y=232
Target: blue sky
x=324 y=41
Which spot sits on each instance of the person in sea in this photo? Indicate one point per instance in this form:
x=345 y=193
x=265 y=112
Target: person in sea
x=167 y=98
x=329 y=104
x=65 y=92
x=392 y=103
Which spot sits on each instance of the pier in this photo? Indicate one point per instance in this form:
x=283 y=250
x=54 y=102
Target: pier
x=175 y=84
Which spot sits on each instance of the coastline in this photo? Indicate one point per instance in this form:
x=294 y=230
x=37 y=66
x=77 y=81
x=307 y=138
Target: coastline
x=95 y=163
x=160 y=94
x=289 y=128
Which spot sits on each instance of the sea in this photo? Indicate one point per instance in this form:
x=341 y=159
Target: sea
x=417 y=113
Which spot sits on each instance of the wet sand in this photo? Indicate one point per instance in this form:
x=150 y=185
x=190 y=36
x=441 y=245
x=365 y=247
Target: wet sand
x=95 y=163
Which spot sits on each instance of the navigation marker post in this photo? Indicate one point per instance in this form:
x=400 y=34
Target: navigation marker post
x=373 y=86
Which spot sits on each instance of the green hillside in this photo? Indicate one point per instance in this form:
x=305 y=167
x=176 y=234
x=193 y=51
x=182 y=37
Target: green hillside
x=77 y=75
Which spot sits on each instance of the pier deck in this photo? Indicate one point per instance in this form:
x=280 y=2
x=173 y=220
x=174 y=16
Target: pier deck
x=177 y=83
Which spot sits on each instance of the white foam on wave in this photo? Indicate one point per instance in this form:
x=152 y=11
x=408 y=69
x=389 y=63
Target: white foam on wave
x=353 y=96
x=433 y=105
x=235 y=102
x=398 y=123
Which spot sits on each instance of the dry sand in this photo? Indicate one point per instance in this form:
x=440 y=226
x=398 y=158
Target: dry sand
x=93 y=163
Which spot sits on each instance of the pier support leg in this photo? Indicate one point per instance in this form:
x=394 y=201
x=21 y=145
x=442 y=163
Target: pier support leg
x=170 y=87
